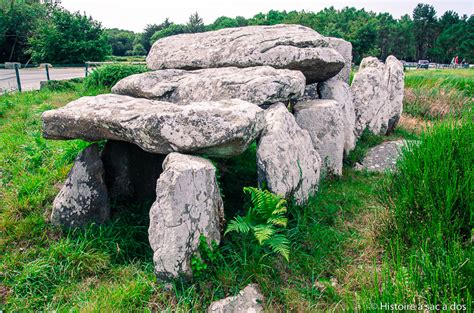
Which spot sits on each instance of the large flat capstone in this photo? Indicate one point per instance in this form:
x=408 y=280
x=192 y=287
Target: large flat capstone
x=286 y=160
x=261 y=85
x=188 y=204
x=222 y=128
x=280 y=46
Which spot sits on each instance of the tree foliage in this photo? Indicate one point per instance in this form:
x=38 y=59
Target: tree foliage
x=43 y=31
x=66 y=37
x=121 y=41
x=40 y=29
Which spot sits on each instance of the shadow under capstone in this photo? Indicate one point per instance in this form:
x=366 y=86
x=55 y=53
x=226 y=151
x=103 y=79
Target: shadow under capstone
x=130 y=174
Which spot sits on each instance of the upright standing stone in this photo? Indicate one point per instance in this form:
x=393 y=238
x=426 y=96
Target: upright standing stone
x=341 y=92
x=395 y=78
x=324 y=121
x=293 y=47
x=378 y=93
x=286 y=159
x=188 y=204
x=345 y=49
x=83 y=197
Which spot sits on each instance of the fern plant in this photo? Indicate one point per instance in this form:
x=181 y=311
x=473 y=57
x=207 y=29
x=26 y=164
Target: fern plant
x=265 y=219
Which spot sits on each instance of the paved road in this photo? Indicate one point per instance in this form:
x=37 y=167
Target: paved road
x=31 y=77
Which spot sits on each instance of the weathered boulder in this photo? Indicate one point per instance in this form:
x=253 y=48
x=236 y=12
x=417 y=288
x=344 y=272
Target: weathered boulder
x=378 y=93
x=83 y=197
x=323 y=119
x=130 y=172
x=395 y=78
x=286 y=159
x=310 y=92
x=222 y=128
x=188 y=204
x=340 y=91
x=345 y=49
x=292 y=47
x=249 y=300
x=382 y=157
x=261 y=85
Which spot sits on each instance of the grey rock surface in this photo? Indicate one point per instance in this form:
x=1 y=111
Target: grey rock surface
x=292 y=47
x=340 y=91
x=83 y=198
x=323 y=119
x=310 y=92
x=382 y=157
x=223 y=128
x=395 y=78
x=345 y=49
x=249 y=300
x=188 y=204
x=378 y=93
x=130 y=172
x=286 y=159
x=261 y=85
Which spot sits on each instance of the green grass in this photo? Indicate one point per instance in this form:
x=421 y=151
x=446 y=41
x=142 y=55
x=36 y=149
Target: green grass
x=429 y=250
x=349 y=246
x=432 y=94
x=110 y=266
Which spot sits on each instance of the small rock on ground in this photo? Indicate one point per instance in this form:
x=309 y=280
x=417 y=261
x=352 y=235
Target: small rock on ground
x=382 y=157
x=249 y=300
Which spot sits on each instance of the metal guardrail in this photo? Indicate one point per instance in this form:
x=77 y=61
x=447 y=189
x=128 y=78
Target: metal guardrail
x=12 y=74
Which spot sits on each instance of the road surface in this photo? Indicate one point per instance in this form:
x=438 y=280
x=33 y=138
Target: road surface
x=31 y=77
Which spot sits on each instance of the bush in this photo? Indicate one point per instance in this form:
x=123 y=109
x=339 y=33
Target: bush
x=431 y=193
x=109 y=75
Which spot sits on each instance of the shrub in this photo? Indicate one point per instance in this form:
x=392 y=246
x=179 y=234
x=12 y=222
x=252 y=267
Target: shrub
x=431 y=193
x=109 y=75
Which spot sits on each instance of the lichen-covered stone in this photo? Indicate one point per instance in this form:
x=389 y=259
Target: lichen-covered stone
x=188 y=204
x=83 y=198
x=310 y=92
x=340 y=91
x=382 y=157
x=395 y=78
x=249 y=300
x=286 y=160
x=345 y=49
x=261 y=85
x=223 y=128
x=292 y=47
x=323 y=119
x=378 y=94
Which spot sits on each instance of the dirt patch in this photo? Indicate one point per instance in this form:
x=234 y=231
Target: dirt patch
x=413 y=124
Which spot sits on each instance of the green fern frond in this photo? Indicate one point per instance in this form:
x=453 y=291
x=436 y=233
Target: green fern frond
x=263 y=232
x=278 y=243
x=278 y=221
x=266 y=219
x=238 y=225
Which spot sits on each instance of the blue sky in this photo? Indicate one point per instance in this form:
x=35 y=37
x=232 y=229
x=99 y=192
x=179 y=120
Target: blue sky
x=134 y=15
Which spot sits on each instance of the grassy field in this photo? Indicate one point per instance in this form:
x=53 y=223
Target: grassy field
x=432 y=94
x=362 y=241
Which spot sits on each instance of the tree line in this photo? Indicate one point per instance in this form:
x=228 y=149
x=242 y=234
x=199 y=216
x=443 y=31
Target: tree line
x=43 y=31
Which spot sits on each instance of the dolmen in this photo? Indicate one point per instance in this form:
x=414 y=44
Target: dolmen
x=285 y=87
